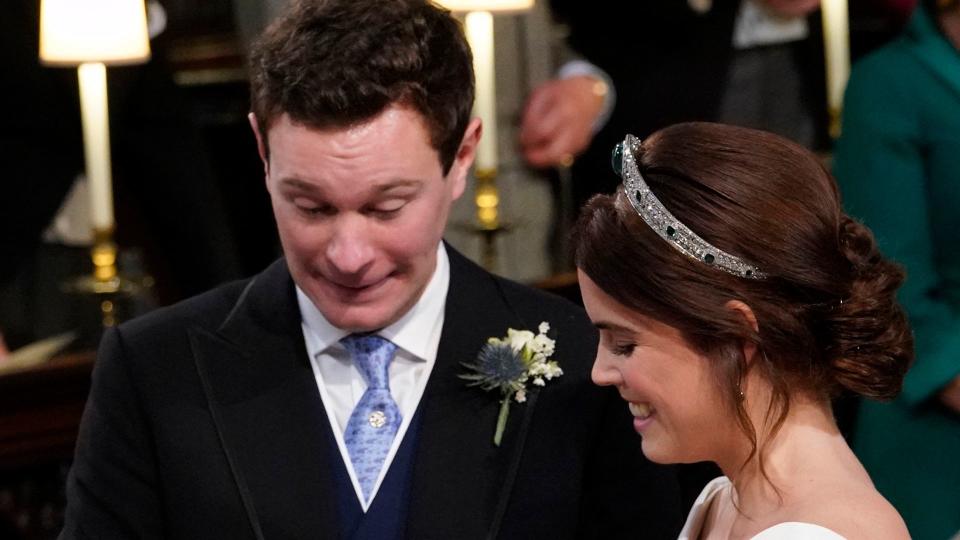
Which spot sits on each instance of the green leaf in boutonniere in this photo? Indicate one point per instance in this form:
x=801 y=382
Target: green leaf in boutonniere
x=507 y=364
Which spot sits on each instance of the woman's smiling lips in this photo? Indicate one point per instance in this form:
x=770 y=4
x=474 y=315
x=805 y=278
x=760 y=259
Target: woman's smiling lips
x=642 y=415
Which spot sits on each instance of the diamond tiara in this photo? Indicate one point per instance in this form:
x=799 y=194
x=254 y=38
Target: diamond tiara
x=662 y=221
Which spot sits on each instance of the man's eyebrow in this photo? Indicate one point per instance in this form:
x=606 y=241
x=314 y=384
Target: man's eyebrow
x=384 y=187
x=299 y=184
x=398 y=183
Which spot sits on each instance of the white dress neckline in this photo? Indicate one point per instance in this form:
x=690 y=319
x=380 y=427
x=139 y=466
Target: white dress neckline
x=788 y=530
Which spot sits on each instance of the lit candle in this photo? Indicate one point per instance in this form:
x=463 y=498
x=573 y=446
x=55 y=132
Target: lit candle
x=479 y=30
x=96 y=142
x=836 y=36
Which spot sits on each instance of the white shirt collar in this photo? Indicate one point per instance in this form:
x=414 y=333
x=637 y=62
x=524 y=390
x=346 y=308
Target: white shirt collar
x=411 y=332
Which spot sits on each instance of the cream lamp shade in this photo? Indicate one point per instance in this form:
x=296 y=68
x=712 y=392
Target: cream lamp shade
x=108 y=31
x=487 y=5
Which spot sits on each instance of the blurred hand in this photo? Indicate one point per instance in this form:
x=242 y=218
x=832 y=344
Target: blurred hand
x=950 y=395
x=792 y=8
x=558 y=120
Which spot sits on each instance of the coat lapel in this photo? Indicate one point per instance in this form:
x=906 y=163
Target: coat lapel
x=461 y=481
x=269 y=416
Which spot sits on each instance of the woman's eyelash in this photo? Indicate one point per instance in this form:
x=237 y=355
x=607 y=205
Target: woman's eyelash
x=625 y=349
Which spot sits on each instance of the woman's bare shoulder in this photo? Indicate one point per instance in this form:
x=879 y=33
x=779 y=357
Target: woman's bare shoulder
x=854 y=511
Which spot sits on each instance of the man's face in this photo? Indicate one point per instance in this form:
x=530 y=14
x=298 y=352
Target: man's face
x=360 y=211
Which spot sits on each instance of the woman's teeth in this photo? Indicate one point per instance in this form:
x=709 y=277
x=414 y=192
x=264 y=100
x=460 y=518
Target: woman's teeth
x=640 y=410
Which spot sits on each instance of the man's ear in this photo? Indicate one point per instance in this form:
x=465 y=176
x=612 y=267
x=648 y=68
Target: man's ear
x=463 y=160
x=261 y=143
x=749 y=319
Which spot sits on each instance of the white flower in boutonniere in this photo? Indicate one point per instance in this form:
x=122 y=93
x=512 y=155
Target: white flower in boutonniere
x=507 y=364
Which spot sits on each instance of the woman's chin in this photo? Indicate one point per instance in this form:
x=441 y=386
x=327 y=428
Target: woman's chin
x=657 y=453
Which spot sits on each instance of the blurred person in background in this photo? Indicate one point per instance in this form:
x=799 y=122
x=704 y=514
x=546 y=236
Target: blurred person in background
x=645 y=65
x=896 y=163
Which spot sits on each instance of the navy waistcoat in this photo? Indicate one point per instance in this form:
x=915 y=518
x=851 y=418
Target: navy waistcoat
x=386 y=517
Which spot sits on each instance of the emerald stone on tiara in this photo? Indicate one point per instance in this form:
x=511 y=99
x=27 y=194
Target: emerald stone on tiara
x=671 y=229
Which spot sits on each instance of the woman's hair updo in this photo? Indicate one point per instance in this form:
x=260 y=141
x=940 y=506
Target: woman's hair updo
x=827 y=314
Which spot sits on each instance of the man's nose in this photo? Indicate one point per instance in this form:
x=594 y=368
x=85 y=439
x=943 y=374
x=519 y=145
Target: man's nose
x=350 y=249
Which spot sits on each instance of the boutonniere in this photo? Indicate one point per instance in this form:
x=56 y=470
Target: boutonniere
x=507 y=364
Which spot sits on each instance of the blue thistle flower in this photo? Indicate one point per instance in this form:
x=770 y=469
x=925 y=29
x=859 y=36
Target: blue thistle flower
x=498 y=366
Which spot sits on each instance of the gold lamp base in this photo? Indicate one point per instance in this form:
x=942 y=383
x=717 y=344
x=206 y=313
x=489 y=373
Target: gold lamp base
x=105 y=283
x=835 y=125
x=487 y=224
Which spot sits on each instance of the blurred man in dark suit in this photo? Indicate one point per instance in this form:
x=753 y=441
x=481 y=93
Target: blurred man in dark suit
x=659 y=62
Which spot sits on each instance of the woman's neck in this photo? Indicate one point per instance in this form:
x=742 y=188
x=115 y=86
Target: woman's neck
x=807 y=446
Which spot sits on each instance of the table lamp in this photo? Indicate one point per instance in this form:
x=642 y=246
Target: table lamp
x=478 y=26
x=91 y=34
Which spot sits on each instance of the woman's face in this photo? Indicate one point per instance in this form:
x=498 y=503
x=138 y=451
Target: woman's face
x=668 y=386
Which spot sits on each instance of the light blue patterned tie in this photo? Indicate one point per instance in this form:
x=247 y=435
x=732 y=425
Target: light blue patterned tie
x=376 y=418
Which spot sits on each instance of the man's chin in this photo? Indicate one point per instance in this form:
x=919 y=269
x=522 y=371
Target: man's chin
x=359 y=313
x=361 y=320
x=365 y=310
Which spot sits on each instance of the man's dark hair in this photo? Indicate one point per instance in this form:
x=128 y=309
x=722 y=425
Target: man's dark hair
x=334 y=63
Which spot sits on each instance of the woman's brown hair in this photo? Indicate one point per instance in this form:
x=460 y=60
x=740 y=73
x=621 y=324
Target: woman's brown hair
x=826 y=311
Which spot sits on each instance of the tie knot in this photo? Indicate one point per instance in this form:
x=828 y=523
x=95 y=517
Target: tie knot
x=372 y=355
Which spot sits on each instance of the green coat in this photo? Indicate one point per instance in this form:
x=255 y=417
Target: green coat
x=898 y=166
